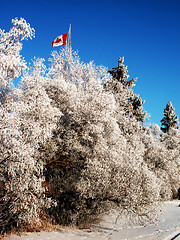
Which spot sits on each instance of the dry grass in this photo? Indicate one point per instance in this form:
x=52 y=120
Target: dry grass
x=23 y=229
x=44 y=226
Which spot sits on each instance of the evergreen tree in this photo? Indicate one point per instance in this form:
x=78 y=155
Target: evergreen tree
x=136 y=107
x=120 y=74
x=170 y=139
x=120 y=84
x=170 y=120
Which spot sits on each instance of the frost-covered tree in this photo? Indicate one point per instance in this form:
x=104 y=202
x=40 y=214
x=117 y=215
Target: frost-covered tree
x=11 y=62
x=155 y=156
x=25 y=121
x=136 y=109
x=90 y=162
x=36 y=119
x=38 y=116
x=72 y=142
x=163 y=160
x=170 y=139
x=170 y=120
x=119 y=83
x=120 y=73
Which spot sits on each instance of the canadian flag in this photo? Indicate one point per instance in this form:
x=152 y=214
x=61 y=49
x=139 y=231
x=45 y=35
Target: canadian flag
x=61 y=40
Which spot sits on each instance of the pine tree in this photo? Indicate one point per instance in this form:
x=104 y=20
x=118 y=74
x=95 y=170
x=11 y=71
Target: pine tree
x=120 y=84
x=120 y=74
x=170 y=138
x=136 y=107
x=170 y=120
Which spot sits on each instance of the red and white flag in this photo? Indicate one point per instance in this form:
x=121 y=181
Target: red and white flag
x=61 y=40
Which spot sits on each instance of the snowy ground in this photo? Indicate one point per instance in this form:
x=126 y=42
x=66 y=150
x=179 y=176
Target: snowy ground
x=167 y=228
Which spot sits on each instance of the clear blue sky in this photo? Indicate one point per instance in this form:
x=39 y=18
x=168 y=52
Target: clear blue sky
x=145 y=32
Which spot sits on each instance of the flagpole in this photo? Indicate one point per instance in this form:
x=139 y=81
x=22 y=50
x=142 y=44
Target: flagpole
x=69 y=42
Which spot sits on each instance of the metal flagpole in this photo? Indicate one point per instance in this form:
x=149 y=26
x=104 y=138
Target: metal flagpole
x=69 y=42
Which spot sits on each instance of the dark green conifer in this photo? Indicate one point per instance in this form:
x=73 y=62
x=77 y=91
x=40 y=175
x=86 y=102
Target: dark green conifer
x=121 y=84
x=170 y=120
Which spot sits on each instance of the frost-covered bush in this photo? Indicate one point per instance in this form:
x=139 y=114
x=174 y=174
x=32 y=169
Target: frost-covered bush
x=12 y=148
x=91 y=162
x=26 y=120
x=171 y=142
x=163 y=161
x=11 y=62
x=73 y=145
